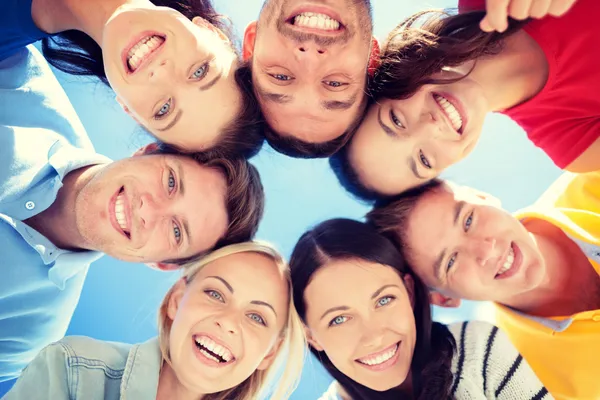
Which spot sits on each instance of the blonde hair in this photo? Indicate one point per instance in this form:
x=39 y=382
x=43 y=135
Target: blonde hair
x=291 y=353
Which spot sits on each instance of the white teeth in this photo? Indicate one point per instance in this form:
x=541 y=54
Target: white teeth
x=208 y=355
x=318 y=21
x=120 y=212
x=508 y=263
x=380 y=359
x=142 y=48
x=215 y=348
x=450 y=111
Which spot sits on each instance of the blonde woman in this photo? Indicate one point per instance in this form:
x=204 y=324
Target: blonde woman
x=227 y=330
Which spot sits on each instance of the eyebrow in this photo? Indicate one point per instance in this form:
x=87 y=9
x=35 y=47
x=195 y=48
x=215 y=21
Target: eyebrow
x=228 y=286
x=276 y=97
x=381 y=289
x=212 y=83
x=437 y=266
x=186 y=227
x=173 y=121
x=340 y=105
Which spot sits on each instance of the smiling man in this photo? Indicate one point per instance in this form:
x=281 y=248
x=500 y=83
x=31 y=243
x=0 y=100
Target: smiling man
x=62 y=206
x=540 y=266
x=309 y=62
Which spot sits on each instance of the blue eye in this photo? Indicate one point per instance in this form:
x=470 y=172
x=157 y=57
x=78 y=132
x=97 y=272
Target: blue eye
x=334 y=84
x=164 y=109
x=171 y=182
x=338 y=320
x=451 y=262
x=214 y=294
x=257 y=318
x=282 y=77
x=424 y=160
x=468 y=222
x=176 y=232
x=200 y=72
x=384 y=301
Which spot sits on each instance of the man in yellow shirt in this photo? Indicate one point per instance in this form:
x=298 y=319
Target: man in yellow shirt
x=540 y=266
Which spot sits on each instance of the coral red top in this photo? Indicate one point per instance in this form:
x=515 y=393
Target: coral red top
x=563 y=119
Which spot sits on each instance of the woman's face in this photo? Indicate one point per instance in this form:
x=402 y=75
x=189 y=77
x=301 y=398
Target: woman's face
x=360 y=314
x=174 y=76
x=404 y=143
x=227 y=321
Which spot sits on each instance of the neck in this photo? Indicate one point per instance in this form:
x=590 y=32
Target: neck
x=58 y=223
x=570 y=284
x=88 y=16
x=169 y=387
x=514 y=75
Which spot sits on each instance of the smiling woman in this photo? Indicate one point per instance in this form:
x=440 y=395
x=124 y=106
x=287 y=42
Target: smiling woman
x=227 y=329
x=172 y=64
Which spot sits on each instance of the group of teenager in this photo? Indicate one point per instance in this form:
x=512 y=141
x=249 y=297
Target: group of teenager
x=311 y=80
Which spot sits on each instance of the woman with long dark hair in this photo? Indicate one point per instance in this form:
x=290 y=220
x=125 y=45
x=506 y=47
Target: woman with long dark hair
x=173 y=64
x=441 y=75
x=368 y=321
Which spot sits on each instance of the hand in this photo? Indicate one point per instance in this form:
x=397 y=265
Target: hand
x=498 y=11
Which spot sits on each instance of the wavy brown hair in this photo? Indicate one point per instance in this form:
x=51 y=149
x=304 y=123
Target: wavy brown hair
x=76 y=53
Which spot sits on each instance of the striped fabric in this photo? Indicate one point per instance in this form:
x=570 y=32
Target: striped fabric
x=487 y=366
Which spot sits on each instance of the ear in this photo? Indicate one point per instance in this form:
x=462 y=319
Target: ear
x=311 y=339
x=375 y=57
x=205 y=24
x=269 y=358
x=175 y=295
x=409 y=284
x=160 y=266
x=249 y=39
x=144 y=150
x=438 y=299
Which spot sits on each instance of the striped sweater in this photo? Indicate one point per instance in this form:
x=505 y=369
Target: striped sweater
x=485 y=366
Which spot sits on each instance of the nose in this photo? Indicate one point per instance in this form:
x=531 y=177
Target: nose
x=228 y=323
x=159 y=69
x=148 y=212
x=309 y=54
x=372 y=337
x=484 y=249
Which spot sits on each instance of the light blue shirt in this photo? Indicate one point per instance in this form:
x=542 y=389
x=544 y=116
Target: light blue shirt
x=81 y=368
x=41 y=141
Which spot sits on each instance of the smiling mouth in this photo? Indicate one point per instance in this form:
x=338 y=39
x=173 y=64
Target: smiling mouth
x=379 y=358
x=511 y=264
x=142 y=51
x=316 y=21
x=212 y=350
x=120 y=213
x=451 y=112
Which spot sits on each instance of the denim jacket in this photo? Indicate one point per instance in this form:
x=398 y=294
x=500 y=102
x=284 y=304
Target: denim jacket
x=81 y=368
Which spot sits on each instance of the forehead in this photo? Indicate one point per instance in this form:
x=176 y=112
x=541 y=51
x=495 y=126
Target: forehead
x=253 y=276
x=292 y=120
x=347 y=281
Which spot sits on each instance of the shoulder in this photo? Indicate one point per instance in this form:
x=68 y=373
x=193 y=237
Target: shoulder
x=83 y=349
x=335 y=392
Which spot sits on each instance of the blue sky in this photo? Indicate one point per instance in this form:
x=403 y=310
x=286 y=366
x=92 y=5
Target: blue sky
x=119 y=300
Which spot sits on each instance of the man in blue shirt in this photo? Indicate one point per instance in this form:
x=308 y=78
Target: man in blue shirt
x=62 y=206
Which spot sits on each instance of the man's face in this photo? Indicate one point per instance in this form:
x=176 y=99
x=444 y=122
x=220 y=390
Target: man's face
x=465 y=247
x=152 y=208
x=309 y=65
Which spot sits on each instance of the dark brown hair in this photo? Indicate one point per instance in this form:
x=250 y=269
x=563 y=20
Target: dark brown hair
x=244 y=200
x=390 y=216
x=293 y=147
x=345 y=239
x=75 y=53
x=413 y=52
